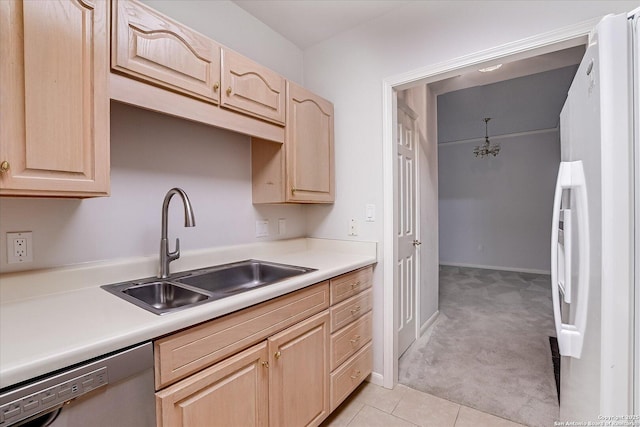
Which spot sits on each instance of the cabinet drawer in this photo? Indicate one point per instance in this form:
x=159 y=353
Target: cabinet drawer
x=157 y=49
x=350 y=310
x=350 y=375
x=347 y=285
x=184 y=353
x=350 y=339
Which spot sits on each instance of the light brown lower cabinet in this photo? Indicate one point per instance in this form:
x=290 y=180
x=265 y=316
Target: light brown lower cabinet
x=304 y=357
x=299 y=373
x=233 y=392
x=267 y=384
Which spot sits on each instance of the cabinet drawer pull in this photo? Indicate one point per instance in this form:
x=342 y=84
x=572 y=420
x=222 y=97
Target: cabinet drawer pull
x=355 y=285
x=229 y=90
x=4 y=166
x=355 y=309
x=216 y=86
x=265 y=364
x=356 y=374
x=355 y=339
x=277 y=355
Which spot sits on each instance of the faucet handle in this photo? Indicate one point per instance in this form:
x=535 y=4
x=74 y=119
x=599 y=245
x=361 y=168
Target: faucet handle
x=175 y=254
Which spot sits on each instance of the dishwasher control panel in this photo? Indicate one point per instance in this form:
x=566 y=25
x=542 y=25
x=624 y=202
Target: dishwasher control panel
x=54 y=395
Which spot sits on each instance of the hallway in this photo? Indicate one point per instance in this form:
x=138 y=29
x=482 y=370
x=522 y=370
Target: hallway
x=489 y=348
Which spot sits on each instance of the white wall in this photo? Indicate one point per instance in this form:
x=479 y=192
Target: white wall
x=151 y=153
x=496 y=212
x=348 y=70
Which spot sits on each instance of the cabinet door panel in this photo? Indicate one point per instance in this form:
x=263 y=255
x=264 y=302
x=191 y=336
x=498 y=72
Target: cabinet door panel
x=232 y=393
x=299 y=373
x=252 y=88
x=55 y=120
x=310 y=169
x=152 y=47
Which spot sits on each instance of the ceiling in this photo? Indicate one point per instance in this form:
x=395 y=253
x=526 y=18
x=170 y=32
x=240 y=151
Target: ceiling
x=307 y=22
x=511 y=70
x=523 y=104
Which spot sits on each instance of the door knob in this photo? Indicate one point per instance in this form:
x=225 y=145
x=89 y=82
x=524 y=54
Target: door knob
x=417 y=243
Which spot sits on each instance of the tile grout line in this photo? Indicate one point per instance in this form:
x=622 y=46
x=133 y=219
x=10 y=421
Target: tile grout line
x=457 y=415
x=356 y=414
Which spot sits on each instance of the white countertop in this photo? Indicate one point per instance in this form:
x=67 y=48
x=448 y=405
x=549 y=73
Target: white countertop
x=51 y=319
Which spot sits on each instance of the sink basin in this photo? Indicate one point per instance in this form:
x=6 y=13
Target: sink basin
x=242 y=276
x=158 y=296
x=191 y=288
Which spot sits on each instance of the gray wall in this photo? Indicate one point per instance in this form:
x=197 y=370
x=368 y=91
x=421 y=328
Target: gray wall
x=496 y=212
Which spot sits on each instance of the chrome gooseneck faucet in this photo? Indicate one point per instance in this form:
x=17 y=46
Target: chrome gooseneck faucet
x=189 y=221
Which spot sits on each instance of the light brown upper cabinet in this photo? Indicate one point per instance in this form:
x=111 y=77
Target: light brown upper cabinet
x=152 y=47
x=54 y=127
x=251 y=88
x=309 y=144
x=301 y=171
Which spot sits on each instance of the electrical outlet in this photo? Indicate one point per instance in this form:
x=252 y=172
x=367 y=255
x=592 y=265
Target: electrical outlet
x=19 y=247
x=353 y=227
x=262 y=228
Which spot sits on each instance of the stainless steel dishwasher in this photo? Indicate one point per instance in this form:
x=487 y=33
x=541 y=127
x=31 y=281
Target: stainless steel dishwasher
x=114 y=390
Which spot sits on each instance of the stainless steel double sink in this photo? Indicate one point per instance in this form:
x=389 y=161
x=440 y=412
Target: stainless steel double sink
x=195 y=287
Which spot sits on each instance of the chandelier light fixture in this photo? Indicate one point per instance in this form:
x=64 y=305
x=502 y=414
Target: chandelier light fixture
x=487 y=148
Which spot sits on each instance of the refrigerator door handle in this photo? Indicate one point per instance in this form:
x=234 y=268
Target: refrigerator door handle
x=564 y=255
x=570 y=335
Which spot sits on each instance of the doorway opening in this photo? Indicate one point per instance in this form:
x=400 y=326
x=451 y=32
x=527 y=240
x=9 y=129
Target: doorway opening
x=439 y=79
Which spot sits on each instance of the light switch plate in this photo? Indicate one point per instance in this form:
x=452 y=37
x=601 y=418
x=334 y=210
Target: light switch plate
x=370 y=213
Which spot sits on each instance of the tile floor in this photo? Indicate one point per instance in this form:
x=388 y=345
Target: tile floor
x=371 y=406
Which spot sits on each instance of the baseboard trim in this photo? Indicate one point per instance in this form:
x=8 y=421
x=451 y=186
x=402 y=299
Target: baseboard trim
x=376 y=378
x=428 y=323
x=494 y=267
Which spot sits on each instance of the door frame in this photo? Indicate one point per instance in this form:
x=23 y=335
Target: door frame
x=563 y=38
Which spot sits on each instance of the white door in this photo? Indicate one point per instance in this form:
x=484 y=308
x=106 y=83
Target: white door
x=408 y=261
x=592 y=231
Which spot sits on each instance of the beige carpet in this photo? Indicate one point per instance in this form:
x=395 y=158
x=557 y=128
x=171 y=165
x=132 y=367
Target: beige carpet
x=489 y=347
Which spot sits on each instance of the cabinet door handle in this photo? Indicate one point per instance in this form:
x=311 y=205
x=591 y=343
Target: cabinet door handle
x=355 y=339
x=355 y=309
x=216 y=86
x=4 y=166
x=356 y=374
x=265 y=364
x=277 y=355
x=229 y=90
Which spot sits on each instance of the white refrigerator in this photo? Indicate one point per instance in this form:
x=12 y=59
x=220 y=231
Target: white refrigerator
x=592 y=242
